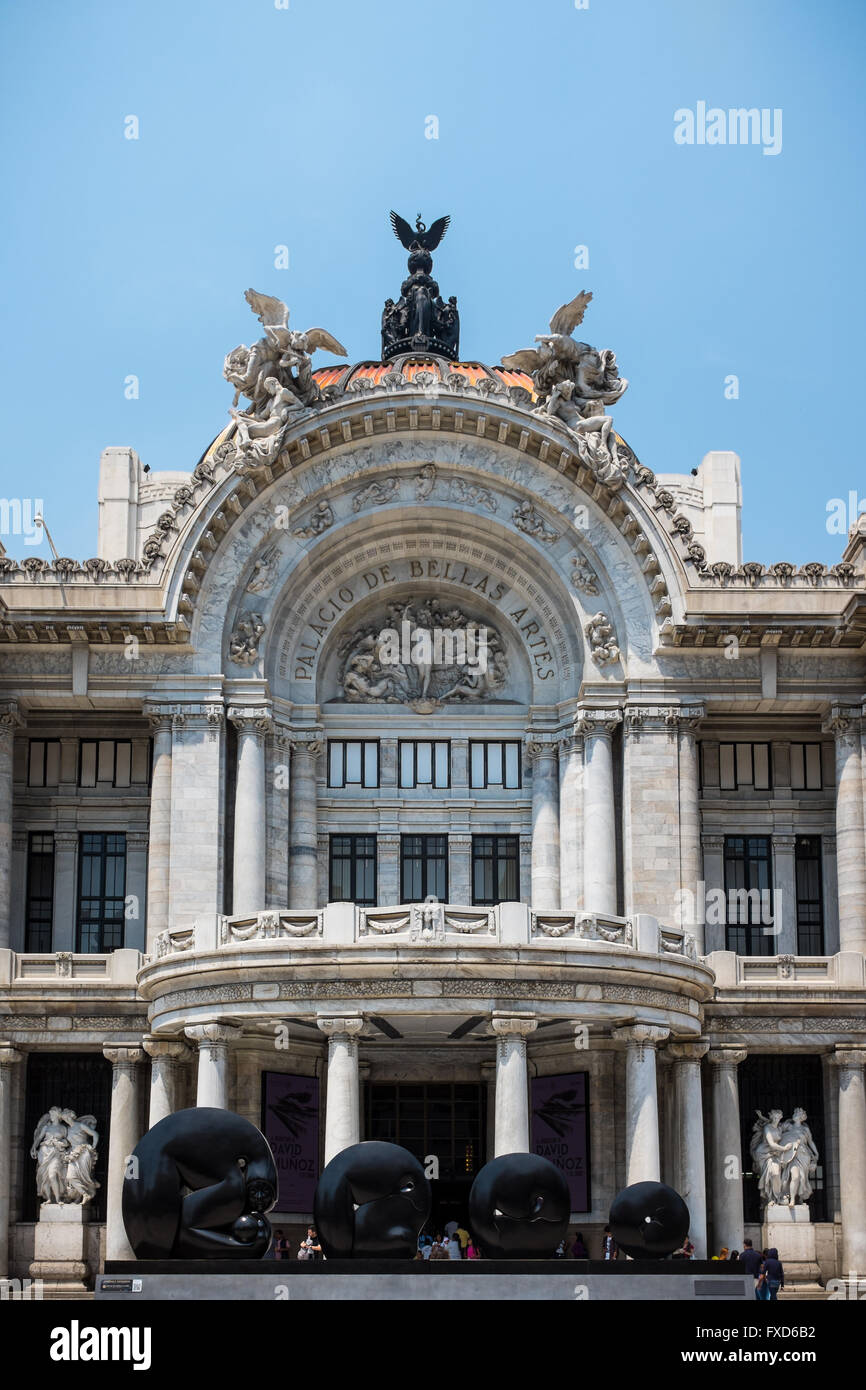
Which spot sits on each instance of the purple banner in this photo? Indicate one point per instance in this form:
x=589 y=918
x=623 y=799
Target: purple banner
x=291 y=1127
x=559 y=1130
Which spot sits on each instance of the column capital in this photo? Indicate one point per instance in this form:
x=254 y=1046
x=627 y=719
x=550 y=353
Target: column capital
x=213 y=1034
x=849 y=1058
x=519 y=1025
x=597 y=722
x=254 y=720
x=726 y=1056
x=166 y=1049
x=652 y=719
x=333 y=1025
x=310 y=744
x=713 y=842
x=568 y=742
x=540 y=745
x=784 y=844
x=10 y=717
x=641 y=1034
x=158 y=716
x=123 y=1054
x=9 y=1055
x=688 y=1051
x=842 y=722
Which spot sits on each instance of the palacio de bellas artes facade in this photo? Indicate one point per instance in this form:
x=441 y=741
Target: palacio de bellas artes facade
x=423 y=765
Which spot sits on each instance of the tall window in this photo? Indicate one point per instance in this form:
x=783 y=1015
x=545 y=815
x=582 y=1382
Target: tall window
x=43 y=762
x=353 y=869
x=494 y=764
x=750 y=904
x=353 y=763
x=425 y=764
x=495 y=869
x=112 y=762
x=423 y=868
x=810 y=902
x=40 y=892
x=806 y=767
x=101 y=890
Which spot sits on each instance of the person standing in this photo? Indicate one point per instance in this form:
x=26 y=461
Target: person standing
x=578 y=1249
x=472 y=1251
x=609 y=1247
x=454 y=1251
x=282 y=1246
x=750 y=1261
x=463 y=1237
x=439 y=1249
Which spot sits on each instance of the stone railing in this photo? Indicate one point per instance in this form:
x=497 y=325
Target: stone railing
x=428 y=923
x=847 y=970
x=56 y=970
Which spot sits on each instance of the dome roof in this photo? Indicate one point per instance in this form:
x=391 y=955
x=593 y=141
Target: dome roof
x=340 y=376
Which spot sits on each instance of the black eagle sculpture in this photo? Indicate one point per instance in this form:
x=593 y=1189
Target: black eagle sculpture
x=423 y=238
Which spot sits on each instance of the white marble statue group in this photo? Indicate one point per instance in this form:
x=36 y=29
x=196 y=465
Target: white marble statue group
x=784 y=1158
x=65 y=1149
x=574 y=382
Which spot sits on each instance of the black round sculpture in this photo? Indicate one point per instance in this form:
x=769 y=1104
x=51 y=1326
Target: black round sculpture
x=519 y=1207
x=371 y=1203
x=198 y=1184
x=649 y=1220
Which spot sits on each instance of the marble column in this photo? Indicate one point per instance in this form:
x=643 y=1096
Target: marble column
x=784 y=924
x=303 y=827
x=159 y=834
x=545 y=825
x=691 y=1170
x=851 y=1062
x=715 y=937
x=249 y=865
x=642 y=1158
x=511 y=1124
x=167 y=1057
x=9 y=721
x=850 y=835
x=690 y=827
x=63 y=929
x=213 y=1041
x=343 y=1090
x=197 y=812
x=9 y=1058
x=125 y=1132
x=599 y=810
x=571 y=823
x=460 y=868
x=726 y=1156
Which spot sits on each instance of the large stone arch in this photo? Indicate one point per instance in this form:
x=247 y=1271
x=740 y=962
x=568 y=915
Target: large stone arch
x=482 y=483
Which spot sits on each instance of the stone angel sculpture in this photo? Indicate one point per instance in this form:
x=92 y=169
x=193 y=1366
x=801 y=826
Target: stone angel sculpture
x=559 y=357
x=282 y=353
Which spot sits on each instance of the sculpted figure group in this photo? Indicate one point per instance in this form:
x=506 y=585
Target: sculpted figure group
x=276 y=376
x=65 y=1149
x=784 y=1157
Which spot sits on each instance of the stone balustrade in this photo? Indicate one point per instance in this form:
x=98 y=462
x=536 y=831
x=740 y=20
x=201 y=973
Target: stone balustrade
x=429 y=923
x=57 y=970
x=844 y=971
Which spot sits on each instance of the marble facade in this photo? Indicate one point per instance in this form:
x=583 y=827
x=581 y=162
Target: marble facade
x=230 y=938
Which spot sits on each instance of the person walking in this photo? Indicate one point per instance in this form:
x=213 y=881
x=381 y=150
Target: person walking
x=774 y=1274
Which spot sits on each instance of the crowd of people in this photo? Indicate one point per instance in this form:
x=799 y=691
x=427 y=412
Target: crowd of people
x=456 y=1243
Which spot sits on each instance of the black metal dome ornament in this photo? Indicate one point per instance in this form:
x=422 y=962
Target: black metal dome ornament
x=420 y=321
x=649 y=1220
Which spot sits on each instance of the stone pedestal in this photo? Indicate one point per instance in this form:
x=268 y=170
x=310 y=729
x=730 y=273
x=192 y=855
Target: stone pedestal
x=60 y=1250
x=790 y=1231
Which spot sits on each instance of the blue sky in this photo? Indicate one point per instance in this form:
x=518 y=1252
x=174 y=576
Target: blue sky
x=261 y=126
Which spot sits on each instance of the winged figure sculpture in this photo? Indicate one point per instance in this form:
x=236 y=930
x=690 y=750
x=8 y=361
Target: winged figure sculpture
x=423 y=238
x=559 y=359
x=282 y=354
